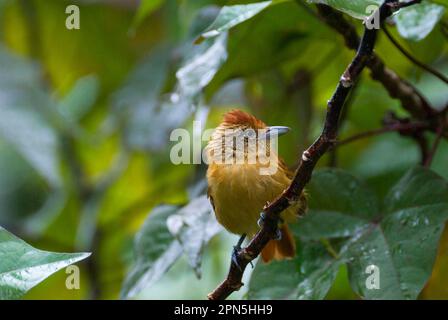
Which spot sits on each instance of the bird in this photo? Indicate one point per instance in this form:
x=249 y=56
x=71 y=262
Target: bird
x=238 y=191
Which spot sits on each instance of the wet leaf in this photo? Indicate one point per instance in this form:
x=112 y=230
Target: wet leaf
x=417 y=21
x=156 y=251
x=193 y=226
x=399 y=235
x=230 y=16
x=22 y=267
x=199 y=69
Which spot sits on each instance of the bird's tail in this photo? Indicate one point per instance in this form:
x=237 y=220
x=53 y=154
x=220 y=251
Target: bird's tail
x=280 y=249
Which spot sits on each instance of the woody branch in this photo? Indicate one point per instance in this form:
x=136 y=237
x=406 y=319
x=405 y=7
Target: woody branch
x=309 y=159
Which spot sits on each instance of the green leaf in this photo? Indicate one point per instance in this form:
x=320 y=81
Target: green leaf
x=168 y=232
x=405 y=241
x=347 y=224
x=23 y=104
x=156 y=251
x=401 y=239
x=341 y=201
x=417 y=21
x=356 y=8
x=230 y=16
x=199 y=69
x=22 y=267
x=308 y=276
x=193 y=226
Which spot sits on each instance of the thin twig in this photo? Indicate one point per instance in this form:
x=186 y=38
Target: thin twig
x=422 y=142
x=413 y=59
x=310 y=157
x=435 y=145
x=406 y=127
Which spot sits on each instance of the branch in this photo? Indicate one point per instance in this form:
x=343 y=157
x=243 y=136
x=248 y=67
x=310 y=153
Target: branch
x=403 y=128
x=398 y=88
x=310 y=157
x=333 y=156
x=414 y=60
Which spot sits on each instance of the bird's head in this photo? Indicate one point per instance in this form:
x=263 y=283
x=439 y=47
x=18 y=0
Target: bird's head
x=242 y=135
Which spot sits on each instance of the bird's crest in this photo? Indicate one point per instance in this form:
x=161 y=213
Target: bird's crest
x=240 y=118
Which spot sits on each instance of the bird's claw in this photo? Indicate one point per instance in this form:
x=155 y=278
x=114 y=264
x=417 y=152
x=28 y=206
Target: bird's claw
x=278 y=234
x=262 y=219
x=235 y=261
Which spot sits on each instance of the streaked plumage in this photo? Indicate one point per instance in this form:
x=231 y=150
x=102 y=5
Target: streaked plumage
x=239 y=192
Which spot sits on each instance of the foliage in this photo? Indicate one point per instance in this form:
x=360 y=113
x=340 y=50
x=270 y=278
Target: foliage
x=399 y=235
x=85 y=123
x=22 y=266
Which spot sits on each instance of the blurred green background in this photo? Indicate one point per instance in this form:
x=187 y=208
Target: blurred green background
x=85 y=117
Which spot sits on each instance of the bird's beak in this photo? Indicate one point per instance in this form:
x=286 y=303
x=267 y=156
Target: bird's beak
x=276 y=131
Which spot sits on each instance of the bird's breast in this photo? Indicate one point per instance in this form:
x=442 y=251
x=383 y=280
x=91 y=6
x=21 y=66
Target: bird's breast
x=240 y=192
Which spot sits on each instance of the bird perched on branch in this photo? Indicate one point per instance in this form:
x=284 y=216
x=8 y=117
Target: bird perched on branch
x=244 y=174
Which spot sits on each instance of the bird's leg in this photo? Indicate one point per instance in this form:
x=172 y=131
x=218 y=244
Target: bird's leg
x=236 y=250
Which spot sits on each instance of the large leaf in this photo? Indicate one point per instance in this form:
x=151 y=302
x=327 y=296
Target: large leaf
x=417 y=21
x=168 y=232
x=399 y=236
x=193 y=226
x=22 y=267
x=401 y=239
x=200 y=68
x=230 y=16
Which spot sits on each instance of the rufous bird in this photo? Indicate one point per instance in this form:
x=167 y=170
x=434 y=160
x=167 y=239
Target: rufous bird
x=238 y=191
